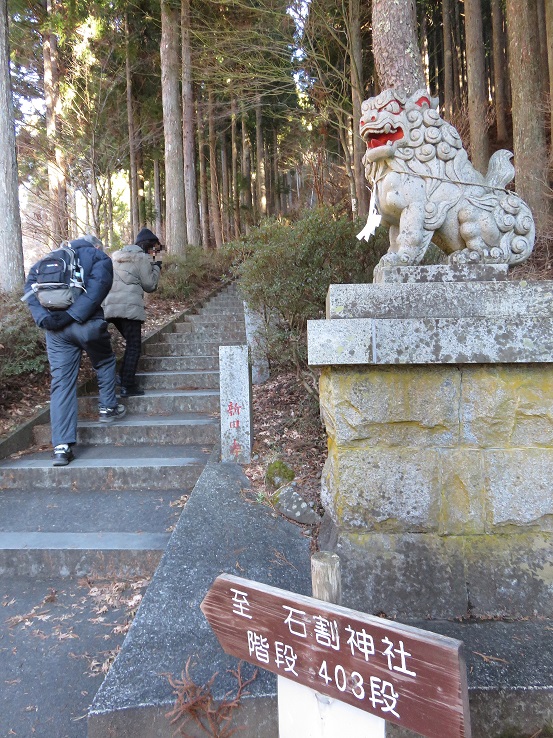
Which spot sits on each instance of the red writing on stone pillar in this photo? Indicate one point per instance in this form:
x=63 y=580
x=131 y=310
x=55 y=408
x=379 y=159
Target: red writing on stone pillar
x=234 y=408
x=236 y=448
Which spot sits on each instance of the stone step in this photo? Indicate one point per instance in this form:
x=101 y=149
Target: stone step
x=229 y=301
x=190 y=348
x=218 y=311
x=178 y=428
x=159 y=402
x=60 y=532
x=198 y=337
x=228 y=324
x=210 y=320
x=222 y=335
x=178 y=380
x=178 y=363
x=108 y=468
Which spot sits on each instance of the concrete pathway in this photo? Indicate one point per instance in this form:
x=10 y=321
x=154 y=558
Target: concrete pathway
x=107 y=517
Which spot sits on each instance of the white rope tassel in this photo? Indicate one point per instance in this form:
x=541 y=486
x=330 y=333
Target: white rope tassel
x=373 y=220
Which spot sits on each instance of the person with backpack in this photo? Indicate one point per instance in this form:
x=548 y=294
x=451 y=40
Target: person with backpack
x=135 y=270
x=64 y=292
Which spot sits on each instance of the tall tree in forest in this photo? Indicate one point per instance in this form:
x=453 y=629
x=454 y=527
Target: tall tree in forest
x=215 y=208
x=477 y=85
x=499 y=81
x=531 y=161
x=59 y=227
x=353 y=27
x=396 y=52
x=448 y=58
x=133 y=167
x=549 y=36
x=188 y=119
x=11 y=251
x=175 y=233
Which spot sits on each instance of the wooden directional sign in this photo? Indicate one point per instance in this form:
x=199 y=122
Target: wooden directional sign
x=404 y=675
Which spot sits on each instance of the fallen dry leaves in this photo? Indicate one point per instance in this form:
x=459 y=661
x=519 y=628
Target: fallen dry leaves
x=287 y=426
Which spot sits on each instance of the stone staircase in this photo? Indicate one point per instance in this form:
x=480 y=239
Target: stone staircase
x=109 y=513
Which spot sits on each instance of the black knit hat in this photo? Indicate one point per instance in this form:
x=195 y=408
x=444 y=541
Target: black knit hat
x=146 y=239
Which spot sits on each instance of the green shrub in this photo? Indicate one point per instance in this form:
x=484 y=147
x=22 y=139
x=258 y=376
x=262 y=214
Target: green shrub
x=183 y=275
x=285 y=269
x=22 y=345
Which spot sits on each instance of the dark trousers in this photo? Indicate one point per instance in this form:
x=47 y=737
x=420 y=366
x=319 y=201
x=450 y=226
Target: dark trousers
x=131 y=330
x=65 y=349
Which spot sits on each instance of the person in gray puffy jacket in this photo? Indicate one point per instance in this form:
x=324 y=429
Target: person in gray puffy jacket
x=135 y=271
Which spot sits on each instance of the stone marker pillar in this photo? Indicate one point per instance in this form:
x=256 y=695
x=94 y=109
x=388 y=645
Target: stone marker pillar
x=236 y=404
x=437 y=395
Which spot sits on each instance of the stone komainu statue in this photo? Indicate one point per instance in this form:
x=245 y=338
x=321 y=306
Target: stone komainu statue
x=426 y=189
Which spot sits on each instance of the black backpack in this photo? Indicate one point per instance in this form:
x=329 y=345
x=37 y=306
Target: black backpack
x=59 y=279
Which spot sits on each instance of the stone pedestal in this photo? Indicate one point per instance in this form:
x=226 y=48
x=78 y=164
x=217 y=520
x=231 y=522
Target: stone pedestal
x=438 y=402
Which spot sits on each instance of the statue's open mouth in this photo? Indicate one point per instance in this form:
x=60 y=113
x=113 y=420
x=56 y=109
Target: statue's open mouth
x=376 y=138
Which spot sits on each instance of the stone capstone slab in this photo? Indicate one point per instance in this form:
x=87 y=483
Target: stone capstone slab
x=340 y=342
x=429 y=341
x=510 y=300
x=443 y=273
x=218 y=531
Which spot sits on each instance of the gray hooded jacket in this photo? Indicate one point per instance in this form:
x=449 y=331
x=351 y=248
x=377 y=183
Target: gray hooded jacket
x=134 y=273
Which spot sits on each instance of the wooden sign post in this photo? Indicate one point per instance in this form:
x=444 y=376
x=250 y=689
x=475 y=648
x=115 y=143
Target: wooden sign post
x=401 y=674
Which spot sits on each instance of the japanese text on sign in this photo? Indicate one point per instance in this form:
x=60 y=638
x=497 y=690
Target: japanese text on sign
x=385 y=668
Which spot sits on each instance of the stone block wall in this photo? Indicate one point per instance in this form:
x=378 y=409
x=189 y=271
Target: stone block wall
x=438 y=484
x=445 y=471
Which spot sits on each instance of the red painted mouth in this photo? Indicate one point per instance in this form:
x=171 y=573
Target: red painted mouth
x=374 y=140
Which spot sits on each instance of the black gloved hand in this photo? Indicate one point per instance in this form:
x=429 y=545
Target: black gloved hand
x=56 y=321
x=158 y=264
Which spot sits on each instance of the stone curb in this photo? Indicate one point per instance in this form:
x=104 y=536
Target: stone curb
x=218 y=531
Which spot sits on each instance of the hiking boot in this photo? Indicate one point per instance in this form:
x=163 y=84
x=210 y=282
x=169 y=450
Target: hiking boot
x=131 y=392
x=62 y=455
x=110 y=414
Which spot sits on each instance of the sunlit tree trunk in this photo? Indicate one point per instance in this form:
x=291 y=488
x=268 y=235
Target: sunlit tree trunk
x=133 y=188
x=528 y=118
x=356 y=79
x=477 y=88
x=234 y=169
x=11 y=249
x=261 y=189
x=246 y=197
x=549 y=24
x=224 y=186
x=158 y=205
x=94 y=197
x=175 y=218
x=343 y=132
x=109 y=198
x=542 y=35
x=499 y=70
x=214 y=185
x=397 y=55
x=189 y=145
x=204 y=200
x=56 y=160
x=458 y=72
x=448 y=58
x=140 y=186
